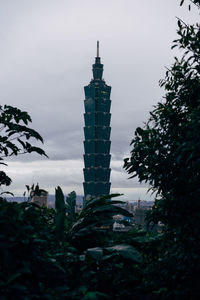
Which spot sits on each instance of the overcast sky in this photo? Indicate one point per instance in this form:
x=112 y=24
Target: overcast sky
x=46 y=55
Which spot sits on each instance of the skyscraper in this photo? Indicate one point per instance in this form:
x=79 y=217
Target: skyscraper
x=97 y=134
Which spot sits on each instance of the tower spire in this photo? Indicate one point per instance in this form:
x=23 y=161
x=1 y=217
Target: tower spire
x=97 y=66
x=97 y=48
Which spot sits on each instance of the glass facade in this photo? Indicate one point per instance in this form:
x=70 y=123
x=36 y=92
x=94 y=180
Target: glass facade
x=97 y=135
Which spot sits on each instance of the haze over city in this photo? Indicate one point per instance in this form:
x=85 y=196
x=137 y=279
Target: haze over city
x=46 y=56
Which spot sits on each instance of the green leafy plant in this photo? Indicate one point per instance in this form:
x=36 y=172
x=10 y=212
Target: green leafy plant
x=16 y=136
x=41 y=252
x=95 y=221
x=60 y=217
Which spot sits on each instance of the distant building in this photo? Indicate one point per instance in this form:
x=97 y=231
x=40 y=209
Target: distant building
x=138 y=208
x=97 y=134
x=41 y=200
x=140 y=217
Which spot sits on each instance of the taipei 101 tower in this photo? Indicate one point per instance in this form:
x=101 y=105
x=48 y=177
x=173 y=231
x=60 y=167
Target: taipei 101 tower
x=97 y=134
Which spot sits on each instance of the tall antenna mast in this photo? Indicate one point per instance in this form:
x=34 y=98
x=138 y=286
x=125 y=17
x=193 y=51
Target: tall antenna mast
x=97 y=48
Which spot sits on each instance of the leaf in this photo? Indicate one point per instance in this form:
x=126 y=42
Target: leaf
x=179 y=24
x=1 y=163
x=126 y=251
x=139 y=130
x=8 y=193
x=14 y=276
x=36 y=149
x=60 y=203
x=60 y=215
x=27 y=187
x=22 y=143
x=71 y=206
x=95 y=253
x=4 y=179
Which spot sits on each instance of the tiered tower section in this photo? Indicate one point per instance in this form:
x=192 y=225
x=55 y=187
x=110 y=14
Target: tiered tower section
x=97 y=134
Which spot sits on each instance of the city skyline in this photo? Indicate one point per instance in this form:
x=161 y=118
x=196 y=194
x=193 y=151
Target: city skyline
x=46 y=56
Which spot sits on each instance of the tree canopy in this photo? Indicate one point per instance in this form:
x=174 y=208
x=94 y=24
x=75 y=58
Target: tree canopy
x=166 y=154
x=166 y=151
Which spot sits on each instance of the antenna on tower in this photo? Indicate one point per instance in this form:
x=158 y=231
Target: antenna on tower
x=97 y=48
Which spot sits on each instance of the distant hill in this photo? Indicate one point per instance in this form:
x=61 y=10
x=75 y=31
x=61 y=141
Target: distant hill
x=79 y=200
x=51 y=199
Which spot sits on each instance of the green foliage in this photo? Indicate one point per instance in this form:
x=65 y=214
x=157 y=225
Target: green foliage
x=4 y=179
x=15 y=136
x=71 y=206
x=29 y=268
x=196 y=2
x=93 y=224
x=166 y=154
x=41 y=253
x=60 y=216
